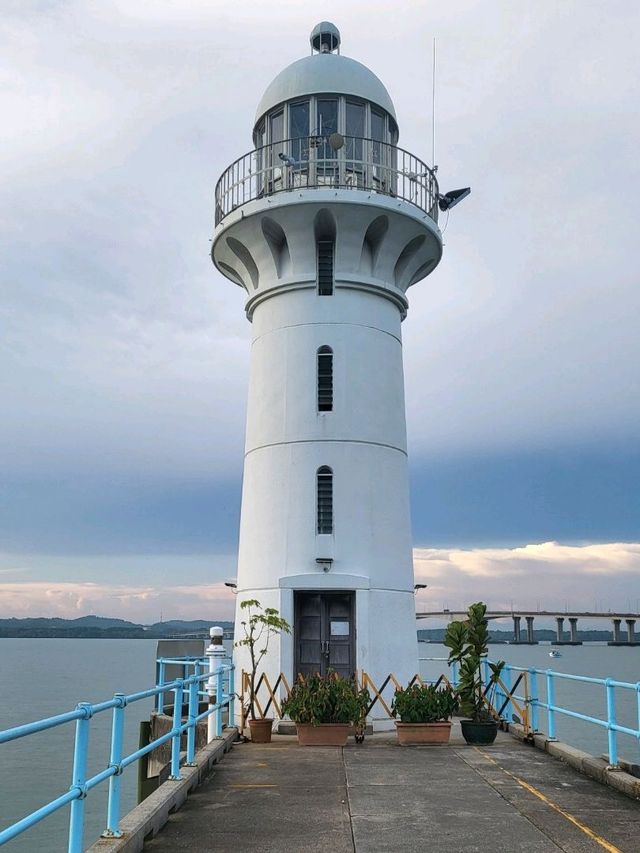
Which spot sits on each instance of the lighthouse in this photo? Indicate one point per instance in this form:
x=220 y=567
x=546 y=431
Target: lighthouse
x=325 y=224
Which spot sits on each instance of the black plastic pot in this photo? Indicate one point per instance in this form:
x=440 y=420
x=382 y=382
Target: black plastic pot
x=480 y=733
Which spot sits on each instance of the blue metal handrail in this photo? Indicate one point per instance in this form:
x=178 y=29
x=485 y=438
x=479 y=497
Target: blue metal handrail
x=534 y=702
x=85 y=711
x=552 y=708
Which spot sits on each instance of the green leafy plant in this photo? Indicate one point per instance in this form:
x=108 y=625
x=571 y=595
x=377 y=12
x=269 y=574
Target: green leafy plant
x=259 y=625
x=326 y=699
x=424 y=703
x=468 y=643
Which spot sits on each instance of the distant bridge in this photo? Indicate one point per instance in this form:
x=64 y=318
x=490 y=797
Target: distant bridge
x=629 y=639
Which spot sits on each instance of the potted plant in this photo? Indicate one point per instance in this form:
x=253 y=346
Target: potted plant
x=468 y=643
x=324 y=708
x=260 y=624
x=425 y=713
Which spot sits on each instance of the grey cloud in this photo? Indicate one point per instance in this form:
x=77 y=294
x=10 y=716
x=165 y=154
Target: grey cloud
x=123 y=350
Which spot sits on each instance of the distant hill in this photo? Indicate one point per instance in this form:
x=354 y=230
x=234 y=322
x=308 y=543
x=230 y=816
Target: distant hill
x=81 y=622
x=100 y=627
x=180 y=625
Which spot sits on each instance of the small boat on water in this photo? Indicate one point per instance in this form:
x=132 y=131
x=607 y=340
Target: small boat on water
x=554 y=653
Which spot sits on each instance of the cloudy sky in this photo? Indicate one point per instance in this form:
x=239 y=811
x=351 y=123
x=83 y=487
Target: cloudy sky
x=124 y=355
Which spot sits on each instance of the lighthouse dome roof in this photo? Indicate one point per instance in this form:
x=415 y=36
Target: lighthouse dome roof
x=325 y=73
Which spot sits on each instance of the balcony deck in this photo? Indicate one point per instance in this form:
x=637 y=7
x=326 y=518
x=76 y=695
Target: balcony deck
x=316 y=163
x=381 y=797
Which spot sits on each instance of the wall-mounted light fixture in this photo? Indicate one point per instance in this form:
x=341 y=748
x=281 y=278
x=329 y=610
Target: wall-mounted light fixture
x=325 y=562
x=419 y=586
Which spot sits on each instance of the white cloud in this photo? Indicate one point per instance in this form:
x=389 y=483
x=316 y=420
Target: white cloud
x=122 y=350
x=122 y=116
x=71 y=600
x=545 y=575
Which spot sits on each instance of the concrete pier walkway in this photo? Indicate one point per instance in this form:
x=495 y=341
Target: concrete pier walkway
x=382 y=798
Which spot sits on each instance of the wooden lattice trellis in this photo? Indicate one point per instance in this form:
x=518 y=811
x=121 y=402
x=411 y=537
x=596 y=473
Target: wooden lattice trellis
x=270 y=696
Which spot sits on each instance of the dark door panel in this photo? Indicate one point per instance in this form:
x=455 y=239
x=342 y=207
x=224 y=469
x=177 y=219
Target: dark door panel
x=324 y=633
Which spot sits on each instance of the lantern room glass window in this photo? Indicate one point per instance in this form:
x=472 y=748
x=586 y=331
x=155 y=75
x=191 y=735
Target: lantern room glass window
x=277 y=126
x=322 y=115
x=377 y=132
x=299 y=130
x=327 y=122
x=298 y=154
x=356 y=117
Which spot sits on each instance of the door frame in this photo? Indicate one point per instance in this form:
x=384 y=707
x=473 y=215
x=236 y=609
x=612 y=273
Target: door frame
x=297 y=595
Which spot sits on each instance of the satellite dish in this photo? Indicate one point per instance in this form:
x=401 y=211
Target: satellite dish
x=336 y=141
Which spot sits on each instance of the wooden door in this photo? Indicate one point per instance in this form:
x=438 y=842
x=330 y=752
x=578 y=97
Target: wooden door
x=324 y=633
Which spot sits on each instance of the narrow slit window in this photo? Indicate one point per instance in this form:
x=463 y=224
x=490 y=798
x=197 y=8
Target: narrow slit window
x=325 y=379
x=324 y=500
x=325 y=267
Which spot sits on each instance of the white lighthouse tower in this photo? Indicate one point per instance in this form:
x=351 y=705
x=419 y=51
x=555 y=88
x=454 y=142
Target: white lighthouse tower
x=325 y=224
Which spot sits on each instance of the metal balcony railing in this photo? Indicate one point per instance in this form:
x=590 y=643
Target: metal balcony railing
x=315 y=163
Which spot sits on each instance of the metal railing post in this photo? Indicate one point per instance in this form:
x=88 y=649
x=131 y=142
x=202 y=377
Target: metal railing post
x=79 y=778
x=612 y=734
x=117 y=737
x=485 y=672
x=551 y=701
x=175 y=740
x=232 y=695
x=192 y=714
x=508 y=683
x=215 y=653
x=160 y=696
x=219 y=698
x=533 y=697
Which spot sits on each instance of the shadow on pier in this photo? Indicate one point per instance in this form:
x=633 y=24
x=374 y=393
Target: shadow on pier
x=282 y=798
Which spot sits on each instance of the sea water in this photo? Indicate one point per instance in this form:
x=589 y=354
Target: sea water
x=43 y=677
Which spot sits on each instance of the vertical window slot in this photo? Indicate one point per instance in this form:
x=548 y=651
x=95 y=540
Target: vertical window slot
x=324 y=500
x=325 y=379
x=325 y=267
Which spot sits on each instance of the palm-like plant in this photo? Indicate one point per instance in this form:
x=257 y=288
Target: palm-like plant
x=468 y=643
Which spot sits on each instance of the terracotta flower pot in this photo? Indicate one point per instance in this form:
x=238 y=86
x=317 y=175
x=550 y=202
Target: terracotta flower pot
x=326 y=734
x=260 y=730
x=410 y=734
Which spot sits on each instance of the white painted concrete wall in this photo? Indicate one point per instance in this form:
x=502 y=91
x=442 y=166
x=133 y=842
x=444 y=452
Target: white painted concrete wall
x=363 y=439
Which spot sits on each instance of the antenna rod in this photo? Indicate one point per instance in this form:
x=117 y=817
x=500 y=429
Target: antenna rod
x=433 y=107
